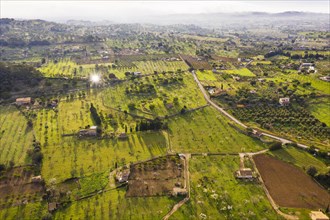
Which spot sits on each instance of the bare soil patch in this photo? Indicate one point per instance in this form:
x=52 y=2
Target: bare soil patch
x=156 y=177
x=289 y=186
x=16 y=187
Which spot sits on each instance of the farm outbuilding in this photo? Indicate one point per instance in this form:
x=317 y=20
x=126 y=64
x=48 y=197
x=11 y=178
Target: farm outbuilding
x=244 y=173
x=284 y=101
x=92 y=131
x=23 y=101
x=177 y=191
x=122 y=176
x=36 y=179
x=52 y=206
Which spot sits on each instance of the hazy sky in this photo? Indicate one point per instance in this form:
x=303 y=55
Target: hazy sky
x=119 y=10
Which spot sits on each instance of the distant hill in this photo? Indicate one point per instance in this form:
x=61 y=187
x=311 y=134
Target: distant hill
x=247 y=19
x=89 y=23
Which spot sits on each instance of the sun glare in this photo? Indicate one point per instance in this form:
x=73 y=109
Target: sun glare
x=95 y=78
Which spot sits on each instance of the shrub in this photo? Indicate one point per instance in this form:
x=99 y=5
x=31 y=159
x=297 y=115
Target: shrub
x=2 y=167
x=275 y=146
x=131 y=106
x=312 y=171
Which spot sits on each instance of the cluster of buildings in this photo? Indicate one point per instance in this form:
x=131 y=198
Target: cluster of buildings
x=307 y=67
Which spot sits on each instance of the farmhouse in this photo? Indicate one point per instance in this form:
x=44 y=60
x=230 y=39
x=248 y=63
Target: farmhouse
x=318 y=215
x=122 y=176
x=52 y=206
x=237 y=78
x=211 y=91
x=177 y=191
x=137 y=73
x=92 y=131
x=244 y=173
x=325 y=78
x=284 y=101
x=309 y=67
x=23 y=101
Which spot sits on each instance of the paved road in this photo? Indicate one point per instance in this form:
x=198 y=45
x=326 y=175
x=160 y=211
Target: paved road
x=207 y=98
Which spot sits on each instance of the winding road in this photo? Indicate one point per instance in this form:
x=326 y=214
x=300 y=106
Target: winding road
x=207 y=98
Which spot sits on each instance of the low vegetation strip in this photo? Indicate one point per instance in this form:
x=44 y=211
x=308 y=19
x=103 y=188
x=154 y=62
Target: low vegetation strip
x=289 y=186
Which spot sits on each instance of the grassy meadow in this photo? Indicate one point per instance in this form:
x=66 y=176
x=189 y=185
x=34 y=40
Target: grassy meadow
x=114 y=205
x=15 y=136
x=216 y=193
x=320 y=109
x=69 y=156
x=207 y=130
x=299 y=158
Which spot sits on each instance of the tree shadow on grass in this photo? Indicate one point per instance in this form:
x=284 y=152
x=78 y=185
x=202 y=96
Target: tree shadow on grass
x=283 y=154
x=155 y=141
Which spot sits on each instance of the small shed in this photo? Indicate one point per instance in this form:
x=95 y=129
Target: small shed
x=284 y=101
x=177 y=191
x=122 y=135
x=91 y=131
x=52 y=206
x=36 y=179
x=23 y=101
x=122 y=177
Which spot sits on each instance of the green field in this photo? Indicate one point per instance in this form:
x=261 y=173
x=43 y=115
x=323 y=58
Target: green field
x=214 y=189
x=206 y=75
x=207 y=130
x=15 y=136
x=320 y=110
x=28 y=211
x=316 y=83
x=114 y=205
x=241 y=72
x=186 y=91
x=68 y=68
x=66 y=157
x=300 y=158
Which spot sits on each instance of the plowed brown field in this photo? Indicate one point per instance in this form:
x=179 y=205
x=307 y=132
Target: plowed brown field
x=289 y=186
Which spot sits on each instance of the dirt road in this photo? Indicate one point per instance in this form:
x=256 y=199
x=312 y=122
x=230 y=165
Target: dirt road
x=187 y=186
